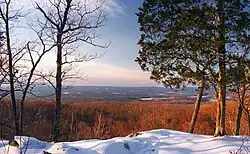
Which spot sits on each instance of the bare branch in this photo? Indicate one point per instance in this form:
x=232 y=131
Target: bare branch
x=46 y=16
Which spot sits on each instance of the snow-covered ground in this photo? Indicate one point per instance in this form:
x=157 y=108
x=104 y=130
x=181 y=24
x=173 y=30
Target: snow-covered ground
x=149 y=142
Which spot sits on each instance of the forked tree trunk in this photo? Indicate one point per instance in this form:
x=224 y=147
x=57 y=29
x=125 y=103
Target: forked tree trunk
x=241 y=107
x=238 y=120
x=197 y=106
x=221 y=102
x=221 y=99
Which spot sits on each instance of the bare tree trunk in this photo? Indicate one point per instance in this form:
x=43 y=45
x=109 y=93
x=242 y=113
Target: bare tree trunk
x=238 y=120
x=21 y=115
x=241 y=96
x=223 y=112
x=197 y=106
x=27 y=87
x=72 y=122
x=218 y=116
x=11 y=76
x=247 y=114
x=23 y=100
x=56 y=125
x=248 y=120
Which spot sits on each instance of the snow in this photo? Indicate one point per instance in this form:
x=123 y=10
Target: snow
x=160 y=141
x=153 y=99
x=146 y=99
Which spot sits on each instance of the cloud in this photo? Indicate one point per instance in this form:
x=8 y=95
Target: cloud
x=114 y=9
x=111 y=6
x=99 y=73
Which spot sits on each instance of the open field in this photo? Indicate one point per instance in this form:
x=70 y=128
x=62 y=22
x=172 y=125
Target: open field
x=107 y=120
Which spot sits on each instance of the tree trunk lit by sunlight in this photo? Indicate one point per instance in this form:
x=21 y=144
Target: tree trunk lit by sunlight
x=197 y=105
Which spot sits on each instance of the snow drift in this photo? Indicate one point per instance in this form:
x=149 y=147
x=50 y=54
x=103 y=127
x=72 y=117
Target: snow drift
x=149 y=142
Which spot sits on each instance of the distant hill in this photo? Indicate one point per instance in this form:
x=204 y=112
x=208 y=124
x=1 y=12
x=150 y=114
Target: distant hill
x=122 y=94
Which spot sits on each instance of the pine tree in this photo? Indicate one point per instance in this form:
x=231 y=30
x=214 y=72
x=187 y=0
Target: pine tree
x=188 y=41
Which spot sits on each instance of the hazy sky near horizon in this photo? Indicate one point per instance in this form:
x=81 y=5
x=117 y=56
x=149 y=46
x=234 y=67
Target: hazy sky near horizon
x=117 y=66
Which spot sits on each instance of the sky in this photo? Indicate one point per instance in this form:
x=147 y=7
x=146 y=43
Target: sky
x=116 y=67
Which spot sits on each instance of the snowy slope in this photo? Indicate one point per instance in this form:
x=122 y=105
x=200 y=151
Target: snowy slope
x=148 y=142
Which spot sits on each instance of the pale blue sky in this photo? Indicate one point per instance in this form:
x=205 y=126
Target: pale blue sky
x=116 y=67
x=123 y=30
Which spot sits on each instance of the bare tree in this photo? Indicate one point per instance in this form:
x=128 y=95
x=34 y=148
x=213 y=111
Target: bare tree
x=29 y=79
x=69 y=23
x=22 y=62
x=8 y=16
x=3 y=65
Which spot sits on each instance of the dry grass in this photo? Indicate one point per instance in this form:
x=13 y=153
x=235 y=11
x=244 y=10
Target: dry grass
x=106 y=120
